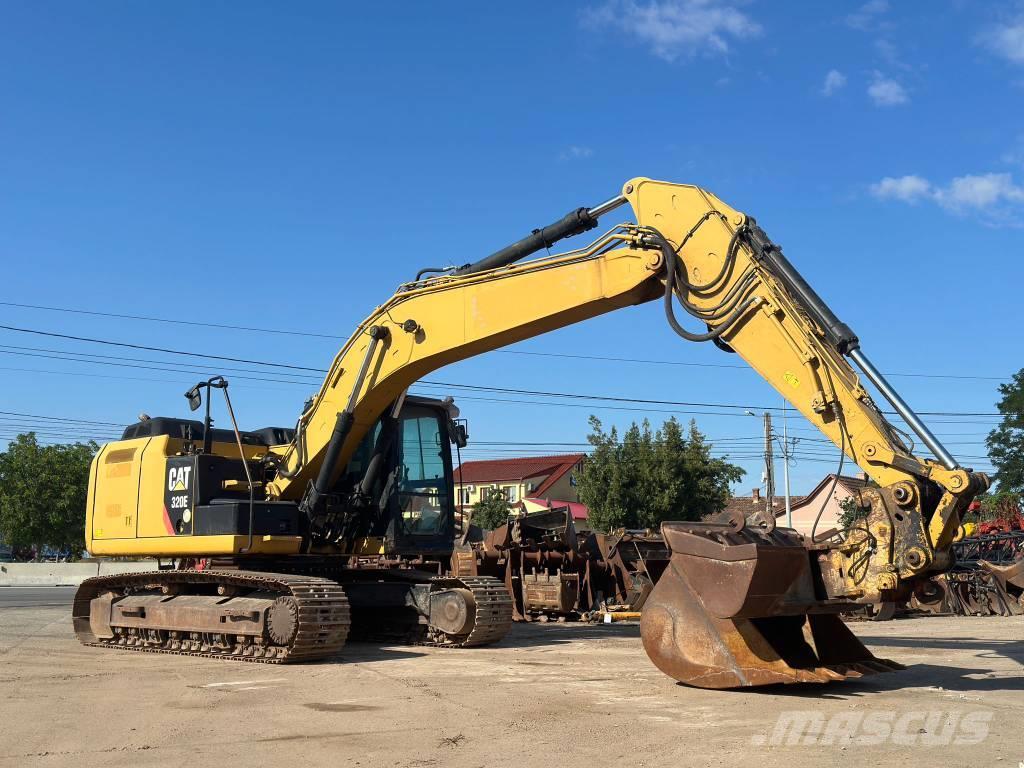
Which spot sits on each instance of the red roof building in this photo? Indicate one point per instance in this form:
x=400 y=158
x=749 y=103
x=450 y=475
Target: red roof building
x=533 y=477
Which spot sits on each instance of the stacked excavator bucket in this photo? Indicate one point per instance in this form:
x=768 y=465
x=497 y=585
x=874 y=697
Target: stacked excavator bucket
x=551 y=570
x=741 y=606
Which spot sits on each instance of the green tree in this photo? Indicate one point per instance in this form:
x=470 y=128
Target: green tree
x=492 y=511
x=43 y=490
x=851 y=513
x=649 y=477
x=1006 y=442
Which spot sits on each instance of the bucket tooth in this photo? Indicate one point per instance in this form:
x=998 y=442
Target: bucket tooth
x=733 y=610
x=832 y=673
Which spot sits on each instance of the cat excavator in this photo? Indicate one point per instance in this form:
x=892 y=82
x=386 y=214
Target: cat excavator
x=285 y=540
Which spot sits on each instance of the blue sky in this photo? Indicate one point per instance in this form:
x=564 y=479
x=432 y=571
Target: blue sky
x=285 y=167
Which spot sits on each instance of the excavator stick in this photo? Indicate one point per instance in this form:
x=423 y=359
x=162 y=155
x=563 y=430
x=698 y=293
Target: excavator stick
x=739 y=607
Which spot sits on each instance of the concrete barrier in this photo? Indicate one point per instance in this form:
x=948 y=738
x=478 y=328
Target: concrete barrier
x=66 y=574
x=114 y=567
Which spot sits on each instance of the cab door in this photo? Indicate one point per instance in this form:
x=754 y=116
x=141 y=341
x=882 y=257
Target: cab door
x=422 y=505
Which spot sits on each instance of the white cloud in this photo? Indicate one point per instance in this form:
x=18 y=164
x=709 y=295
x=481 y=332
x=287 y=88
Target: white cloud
x=575 y=152
x=886 y=92
x=993 y=196
x=1006 y=40
x=979 y=192
x=865 y=16
x=909 y=189
x=834 y=80
x=678 y=28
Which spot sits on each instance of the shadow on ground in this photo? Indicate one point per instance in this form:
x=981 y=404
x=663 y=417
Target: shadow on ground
x=948 y=678
x=1009 y=649
x=526 y=635
x=522 y=635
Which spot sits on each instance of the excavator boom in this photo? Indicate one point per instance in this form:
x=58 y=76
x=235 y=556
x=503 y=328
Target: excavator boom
x=742 y=603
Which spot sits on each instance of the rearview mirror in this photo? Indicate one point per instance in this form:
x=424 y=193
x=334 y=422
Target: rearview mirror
x=195 y=398
x=458 y=432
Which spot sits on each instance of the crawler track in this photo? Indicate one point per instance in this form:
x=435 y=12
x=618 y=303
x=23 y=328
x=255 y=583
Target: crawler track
x=493 y=613
x=323 y=616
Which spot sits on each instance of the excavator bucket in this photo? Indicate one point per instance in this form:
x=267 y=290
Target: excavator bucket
x=1008 y=587
x=1012 y=575
x=739 y=607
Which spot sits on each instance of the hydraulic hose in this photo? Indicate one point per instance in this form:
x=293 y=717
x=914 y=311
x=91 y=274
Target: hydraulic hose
x=730 y=254
x=672 y=274
x=428 y=271
x=671 y=267
x=732 y=298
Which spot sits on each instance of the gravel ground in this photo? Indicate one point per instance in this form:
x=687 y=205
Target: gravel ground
x=547 y=694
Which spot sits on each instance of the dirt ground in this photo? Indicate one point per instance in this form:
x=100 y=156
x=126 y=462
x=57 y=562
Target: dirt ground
x=548 y=694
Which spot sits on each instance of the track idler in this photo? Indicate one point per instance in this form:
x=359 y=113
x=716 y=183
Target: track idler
x=467 y=612
x=738 y=607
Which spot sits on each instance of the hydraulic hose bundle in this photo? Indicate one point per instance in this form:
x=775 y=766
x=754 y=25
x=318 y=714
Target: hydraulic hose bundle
x=734 y=304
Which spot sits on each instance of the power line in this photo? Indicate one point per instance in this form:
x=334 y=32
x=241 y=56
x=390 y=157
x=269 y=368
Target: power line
x=169 y=320
x=593 y=406
x=123 y=378
x=644 y=401
x=46 y=427
x=62 y=418
x=76 y=356
x=155 y=349
x=71 y=425
x=574 y=395
x=471 y=387
x=175 y=369
x=313 y=334
x=724 y=365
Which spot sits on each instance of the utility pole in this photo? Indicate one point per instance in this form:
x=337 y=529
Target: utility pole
x=785 y=468
x=769 y=467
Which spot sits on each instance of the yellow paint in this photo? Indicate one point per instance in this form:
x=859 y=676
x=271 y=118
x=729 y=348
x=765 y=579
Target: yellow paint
x=791 y=379
x=368 y=546
x=181 y=546
x=118 y=470
x=131 y=505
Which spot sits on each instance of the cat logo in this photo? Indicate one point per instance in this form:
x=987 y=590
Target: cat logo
x=177 y=478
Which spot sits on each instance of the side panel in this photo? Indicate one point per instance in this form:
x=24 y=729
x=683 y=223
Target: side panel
x=133 y=484
x=154 y=493
x=114 y=491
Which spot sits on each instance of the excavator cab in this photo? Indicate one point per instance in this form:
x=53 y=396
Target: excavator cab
x=411 y=499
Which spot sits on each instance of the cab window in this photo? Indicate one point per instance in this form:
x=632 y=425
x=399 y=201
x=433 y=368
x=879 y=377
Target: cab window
x=423 y=485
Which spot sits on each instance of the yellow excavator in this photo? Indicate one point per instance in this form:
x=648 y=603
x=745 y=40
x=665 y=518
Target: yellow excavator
x=284 y=540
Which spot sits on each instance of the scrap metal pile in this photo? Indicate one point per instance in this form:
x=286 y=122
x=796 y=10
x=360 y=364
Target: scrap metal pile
x=554 y=572
x=987 y=580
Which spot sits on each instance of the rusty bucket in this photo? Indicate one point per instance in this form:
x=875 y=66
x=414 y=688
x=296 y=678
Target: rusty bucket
x=738 y=608
x=1008 y=575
